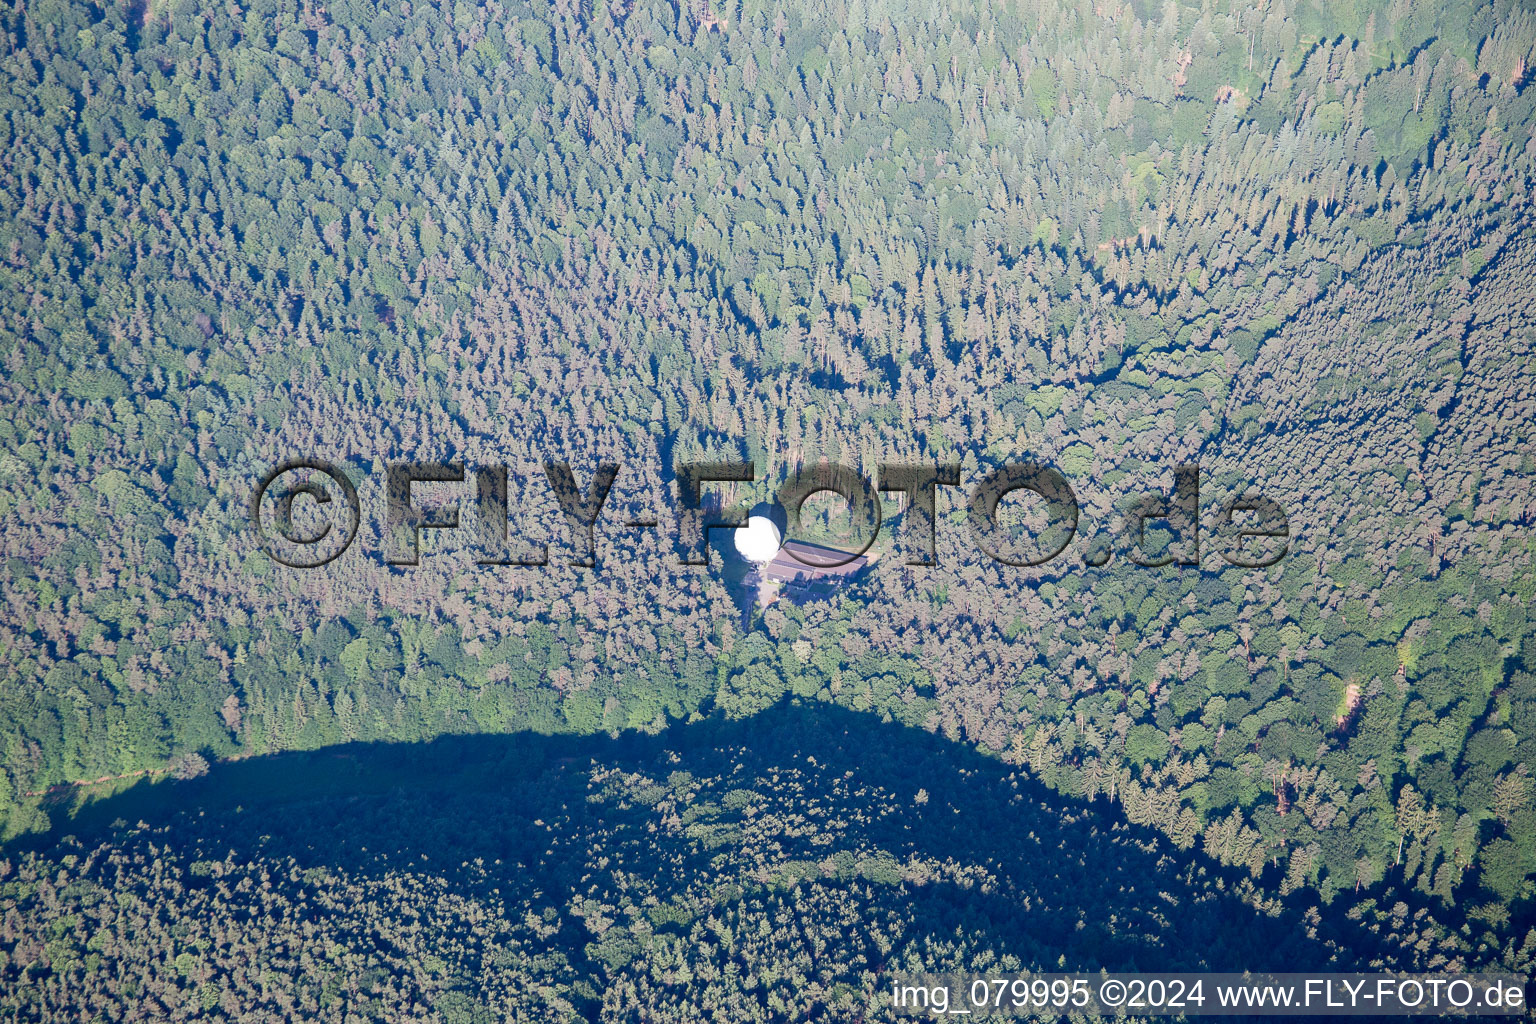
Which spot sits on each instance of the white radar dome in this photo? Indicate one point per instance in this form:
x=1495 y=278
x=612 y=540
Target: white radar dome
x=759 y=540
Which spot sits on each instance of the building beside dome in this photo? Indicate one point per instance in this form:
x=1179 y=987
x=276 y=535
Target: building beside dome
x=800 y=572
x=795 y=569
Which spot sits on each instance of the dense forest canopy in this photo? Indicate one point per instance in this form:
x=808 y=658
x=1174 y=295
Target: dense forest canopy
x=771 y=868
x=1290 y=243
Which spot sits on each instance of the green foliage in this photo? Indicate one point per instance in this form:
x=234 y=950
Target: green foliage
x=480 y=879
x=1330 y=118
x=1292 y=252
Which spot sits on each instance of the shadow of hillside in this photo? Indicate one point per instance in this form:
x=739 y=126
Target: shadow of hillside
x=792 y=787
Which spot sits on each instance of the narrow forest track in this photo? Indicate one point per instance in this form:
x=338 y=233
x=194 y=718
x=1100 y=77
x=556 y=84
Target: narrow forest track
x=65 y=787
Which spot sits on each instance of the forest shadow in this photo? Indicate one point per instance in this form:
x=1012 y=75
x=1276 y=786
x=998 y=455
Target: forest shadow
x=1043 y=875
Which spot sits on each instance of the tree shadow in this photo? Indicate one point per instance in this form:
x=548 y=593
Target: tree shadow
x=1035 y=874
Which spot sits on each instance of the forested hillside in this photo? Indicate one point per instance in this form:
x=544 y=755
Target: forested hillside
x=1291 y=243
x=781 y=868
